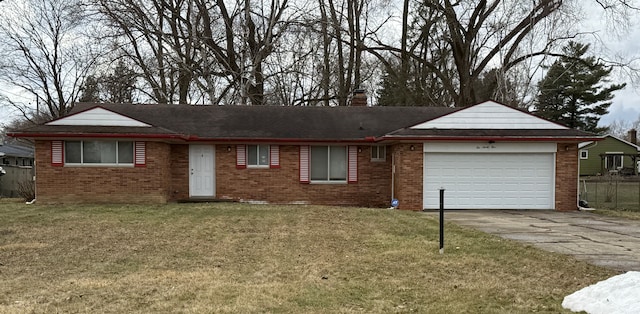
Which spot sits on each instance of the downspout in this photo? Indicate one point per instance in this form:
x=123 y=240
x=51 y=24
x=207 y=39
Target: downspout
x=35 y=186
x=393 y=174
x=595 y=143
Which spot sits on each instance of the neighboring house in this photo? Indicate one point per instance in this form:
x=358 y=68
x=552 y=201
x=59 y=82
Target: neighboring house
x=484 y=156
x=610 y=155
x=17 y=162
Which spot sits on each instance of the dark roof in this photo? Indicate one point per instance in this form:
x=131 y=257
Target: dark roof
x=64 y=130
x=243 y=123
x=274 y=122
x=16 y=151
x=515 y=133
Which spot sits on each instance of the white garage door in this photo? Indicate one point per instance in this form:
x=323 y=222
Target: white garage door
x=489 y=180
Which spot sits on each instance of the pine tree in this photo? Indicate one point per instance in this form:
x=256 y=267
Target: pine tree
x=90 y=91
x=574 y=90
x=115 y=87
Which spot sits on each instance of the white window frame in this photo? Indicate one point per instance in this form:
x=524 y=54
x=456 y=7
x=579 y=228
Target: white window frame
x=328 y=180
x=613 y=154
x=376 y=149
x=116 y=164
x=258 y=164
x=584 y=154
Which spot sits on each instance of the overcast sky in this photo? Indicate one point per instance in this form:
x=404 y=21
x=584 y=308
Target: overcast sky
x=626 y=104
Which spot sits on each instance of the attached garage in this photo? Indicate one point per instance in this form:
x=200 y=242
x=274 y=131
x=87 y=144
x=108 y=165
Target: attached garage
x=482 y=175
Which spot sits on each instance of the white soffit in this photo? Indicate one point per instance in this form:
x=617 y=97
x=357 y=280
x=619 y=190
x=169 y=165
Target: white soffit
x=489 y=115
x=98 y=117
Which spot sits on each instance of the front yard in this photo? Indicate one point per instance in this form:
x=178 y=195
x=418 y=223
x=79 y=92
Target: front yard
x=238 y=258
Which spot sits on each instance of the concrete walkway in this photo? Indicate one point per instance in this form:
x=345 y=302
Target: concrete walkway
x=599 y=240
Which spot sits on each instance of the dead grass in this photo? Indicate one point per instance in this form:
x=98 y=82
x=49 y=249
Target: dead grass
x=622 y=213
x=236 y=258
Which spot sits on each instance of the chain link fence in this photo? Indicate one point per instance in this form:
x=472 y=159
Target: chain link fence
x=611 y=192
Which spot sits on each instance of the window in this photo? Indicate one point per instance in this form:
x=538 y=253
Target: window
x=98 y=152
x=258 y=155
x=613 y=162
x=584 y=154
x=378 y=153
x=329 y=163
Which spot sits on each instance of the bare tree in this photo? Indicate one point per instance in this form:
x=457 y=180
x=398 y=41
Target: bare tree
x=45 y=56
x=482 y=35
x=144 y=33
x=186 y=47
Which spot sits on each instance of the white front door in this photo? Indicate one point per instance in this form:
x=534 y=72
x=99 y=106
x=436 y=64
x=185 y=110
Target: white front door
x=202 y=182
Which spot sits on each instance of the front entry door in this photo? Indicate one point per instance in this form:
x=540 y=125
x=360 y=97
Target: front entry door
x=202 y=182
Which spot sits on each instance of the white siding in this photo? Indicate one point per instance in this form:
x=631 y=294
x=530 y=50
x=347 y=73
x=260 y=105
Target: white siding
x=490 y=148
x=98 y=117
x=489 y=115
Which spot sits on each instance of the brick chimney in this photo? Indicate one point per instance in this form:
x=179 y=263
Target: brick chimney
x=633 y=136
x=359 y=98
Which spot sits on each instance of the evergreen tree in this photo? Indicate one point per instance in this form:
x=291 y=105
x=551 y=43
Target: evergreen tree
x=115 y=87
x=90 y=91
x=574 y=91
x=119 y=85
x=417 y=89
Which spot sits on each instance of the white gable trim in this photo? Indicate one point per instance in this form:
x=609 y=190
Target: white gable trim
x=585 y=144
x=489 y=115
x=98 y=117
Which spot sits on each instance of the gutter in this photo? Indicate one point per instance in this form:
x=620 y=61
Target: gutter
x=368 y=139
x=365 y=140
x=194 y=138
x=487 y=138
x=99 y=135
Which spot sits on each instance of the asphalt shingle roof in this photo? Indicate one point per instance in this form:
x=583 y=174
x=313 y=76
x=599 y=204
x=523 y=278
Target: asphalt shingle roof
x=284 y=123
x=315 y=123
x=16 y=151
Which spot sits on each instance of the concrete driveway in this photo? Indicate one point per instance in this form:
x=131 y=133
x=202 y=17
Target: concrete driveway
x=599 y=240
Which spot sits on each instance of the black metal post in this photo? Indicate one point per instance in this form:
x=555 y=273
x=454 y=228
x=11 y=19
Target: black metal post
x=441 y=221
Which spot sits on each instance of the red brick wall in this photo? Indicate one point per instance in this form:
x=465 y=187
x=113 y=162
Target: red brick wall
x=408 y=176
x=567 y=177
x=166 y=178
x=282 y=185
x=179 y=172
x=103 y=184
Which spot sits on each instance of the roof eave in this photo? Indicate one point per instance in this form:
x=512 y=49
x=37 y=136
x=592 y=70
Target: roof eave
x=96 y=135
x=490 y=138
x=368 y=139
x=192 y=138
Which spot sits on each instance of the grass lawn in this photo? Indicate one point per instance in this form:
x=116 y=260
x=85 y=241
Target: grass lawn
x=238 y=258
x=628 y=214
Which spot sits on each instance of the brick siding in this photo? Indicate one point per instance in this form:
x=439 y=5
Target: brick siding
x=76 y=184
x=567 y=177
x=166 y=178
x=408 y=177
x=179 y=172
x=282 y=185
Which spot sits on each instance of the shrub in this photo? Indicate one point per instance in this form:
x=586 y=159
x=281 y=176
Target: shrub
x=27 y=190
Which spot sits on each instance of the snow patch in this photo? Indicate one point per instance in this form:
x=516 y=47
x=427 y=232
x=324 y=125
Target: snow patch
x=618 y=294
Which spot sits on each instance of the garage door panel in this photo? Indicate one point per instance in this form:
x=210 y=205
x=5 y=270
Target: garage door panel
x=489 y=181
